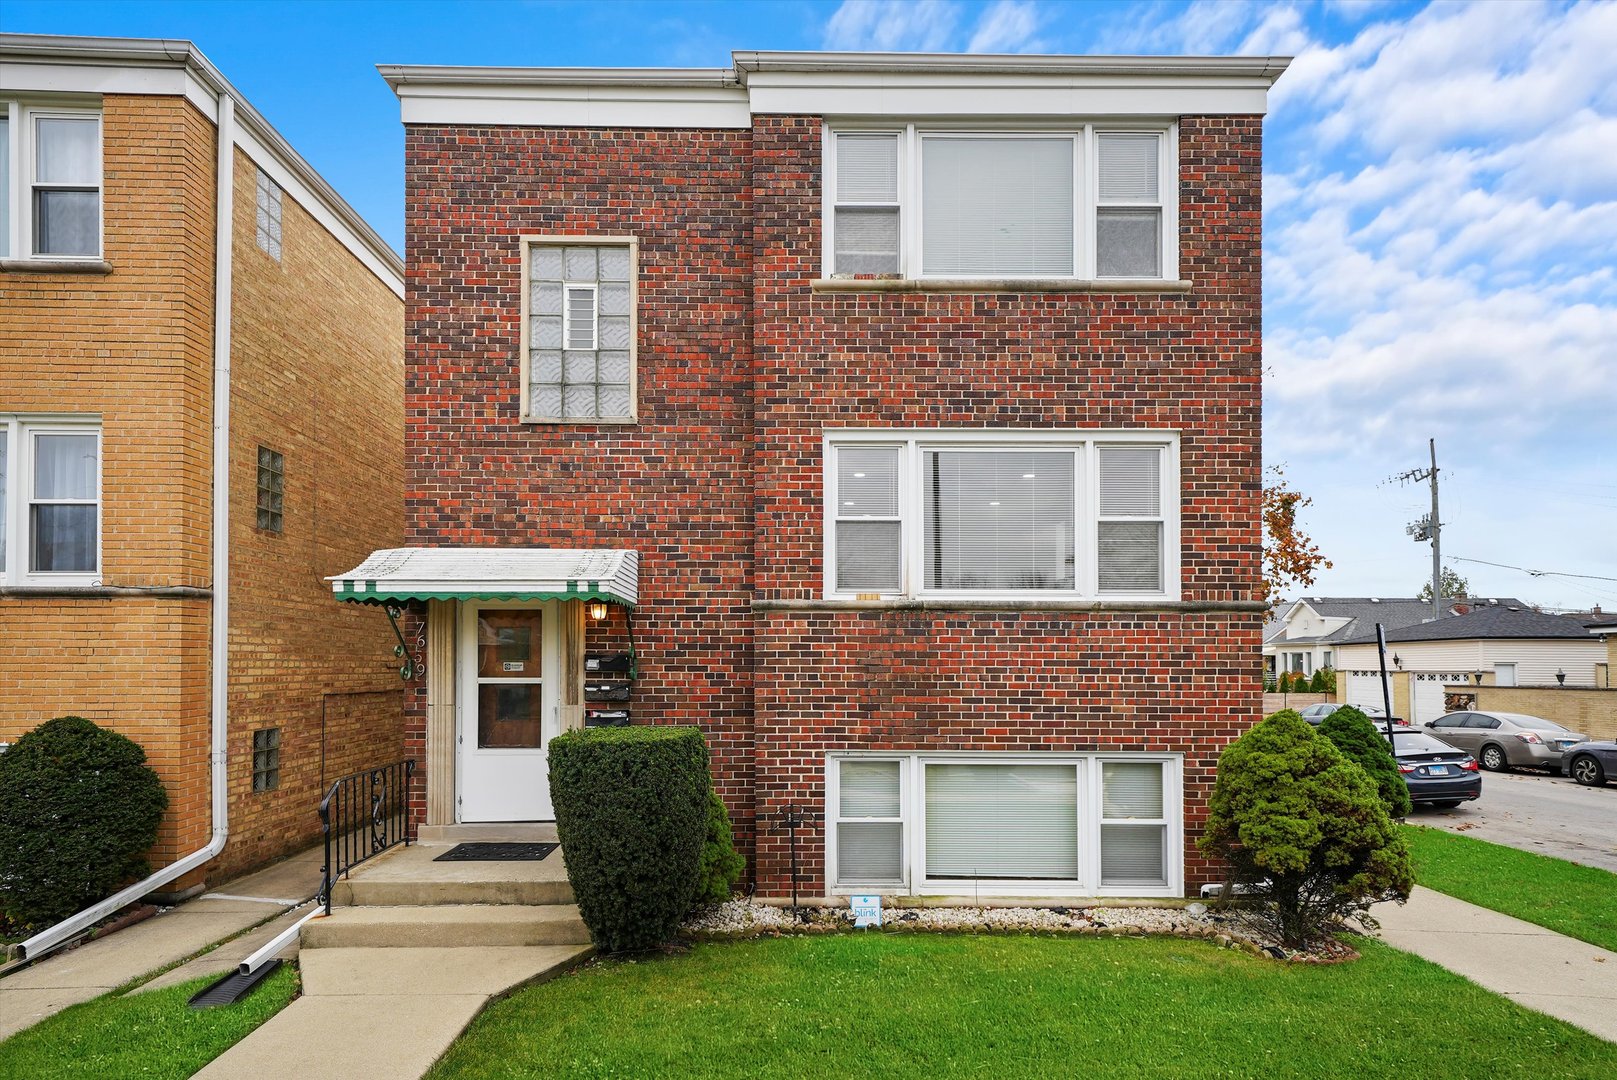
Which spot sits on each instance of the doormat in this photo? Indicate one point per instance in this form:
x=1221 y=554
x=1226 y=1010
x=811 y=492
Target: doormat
x=497 y=852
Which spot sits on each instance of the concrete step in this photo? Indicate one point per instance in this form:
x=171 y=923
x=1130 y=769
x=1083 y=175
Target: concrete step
x=492 y=832
x=446 y=926
x=361 y=891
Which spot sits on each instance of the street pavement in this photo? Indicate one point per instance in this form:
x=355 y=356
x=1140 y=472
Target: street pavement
x=1550 y=815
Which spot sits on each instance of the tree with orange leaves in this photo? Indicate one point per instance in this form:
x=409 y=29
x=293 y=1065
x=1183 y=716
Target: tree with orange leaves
x=1290 y=556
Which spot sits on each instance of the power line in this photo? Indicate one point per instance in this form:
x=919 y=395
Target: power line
x=1533 y=573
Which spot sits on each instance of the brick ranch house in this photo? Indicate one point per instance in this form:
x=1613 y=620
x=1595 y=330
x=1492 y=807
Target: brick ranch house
x=895 y=417
x=200 y=418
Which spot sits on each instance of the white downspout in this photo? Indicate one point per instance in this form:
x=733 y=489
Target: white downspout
x=224 y=196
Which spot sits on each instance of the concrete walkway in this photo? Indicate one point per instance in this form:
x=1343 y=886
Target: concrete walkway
x=1534 y=967
x=66 y=978
x=384 y=1012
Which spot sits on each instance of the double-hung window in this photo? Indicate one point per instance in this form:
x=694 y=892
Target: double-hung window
x=1005 y=823
x=1087 y=202
x=50 y=501
x=973 y=514
x=578 y=334
x=50 y=182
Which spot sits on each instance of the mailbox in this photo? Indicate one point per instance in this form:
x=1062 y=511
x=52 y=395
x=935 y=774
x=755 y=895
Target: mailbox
x=607 y=663
x=606 y=691
x=606 y=718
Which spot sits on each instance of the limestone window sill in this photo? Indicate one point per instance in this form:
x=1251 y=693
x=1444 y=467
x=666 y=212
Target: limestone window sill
x=997 y=285
x=1028 y=604
x=55 y=266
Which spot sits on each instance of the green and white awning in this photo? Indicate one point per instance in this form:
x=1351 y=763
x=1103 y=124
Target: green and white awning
x=429 y=573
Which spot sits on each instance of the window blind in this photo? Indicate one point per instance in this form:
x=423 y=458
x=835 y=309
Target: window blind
x=869 y=558
x=866 y=226
x=1132 y=854
x=997 y=206
x=999 y=520
x=67 y=182
x=1128 y=166
x=1006 y=822
x=868 y=789
x=63 y=520
x=1131 y=790
x=1129 y=552
x=1128 y=221
x=869 y=851
x=867 y=169
x=5 y=200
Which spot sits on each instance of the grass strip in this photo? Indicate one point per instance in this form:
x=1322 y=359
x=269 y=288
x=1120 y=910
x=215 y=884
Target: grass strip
x=919 y=1005
x=1579 y=901
x=152 y=1035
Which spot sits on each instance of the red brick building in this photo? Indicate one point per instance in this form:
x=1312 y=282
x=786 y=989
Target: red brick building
x=900 y=413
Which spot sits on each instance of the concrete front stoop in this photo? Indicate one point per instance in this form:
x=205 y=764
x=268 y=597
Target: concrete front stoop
x=413 y=950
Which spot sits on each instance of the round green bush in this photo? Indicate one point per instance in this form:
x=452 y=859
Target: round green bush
x=632 y=817
x=721 y=864
x=79 y=808
x=1304 y=829
x=1356 y=736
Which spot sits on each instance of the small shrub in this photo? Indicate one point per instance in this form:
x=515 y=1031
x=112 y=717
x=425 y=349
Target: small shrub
x=1356 y=736
x=1304 y=829
x=632 y=816
x=1316 y=685
x=721 y=865
x=79 y=808
x=1330 y=679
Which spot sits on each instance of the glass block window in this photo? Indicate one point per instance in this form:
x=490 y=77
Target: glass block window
x=580 y=334
x=268 y=230
x=267 y=759
x=271 y=489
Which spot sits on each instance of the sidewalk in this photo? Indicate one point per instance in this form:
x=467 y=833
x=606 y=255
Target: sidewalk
x=69 y=977
x=1534 y=967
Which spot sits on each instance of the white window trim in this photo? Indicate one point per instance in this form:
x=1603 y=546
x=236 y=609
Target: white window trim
x=526 y=244
x=21 y=117
x=17 y=432
x=1086 y=505
x=912 y=796
x=1086 y=185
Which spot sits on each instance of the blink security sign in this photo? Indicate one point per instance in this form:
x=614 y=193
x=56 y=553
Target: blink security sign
x=866 y=910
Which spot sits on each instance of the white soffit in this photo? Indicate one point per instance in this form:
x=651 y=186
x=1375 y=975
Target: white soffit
x=49 y=65
x=898 y=85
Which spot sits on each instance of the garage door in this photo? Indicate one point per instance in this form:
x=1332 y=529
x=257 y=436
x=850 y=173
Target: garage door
x=1364 y=688
x=1428 y=703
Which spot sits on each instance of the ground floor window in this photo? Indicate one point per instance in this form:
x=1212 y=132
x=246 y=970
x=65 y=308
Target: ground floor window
x=1005 y=824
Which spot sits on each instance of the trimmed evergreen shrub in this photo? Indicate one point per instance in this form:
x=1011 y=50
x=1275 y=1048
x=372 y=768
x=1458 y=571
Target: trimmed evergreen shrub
x=721 y=864
x=1356 y=736
x=79 y=808
x=1304 y=829
x=632 y=816
x=1316 y=685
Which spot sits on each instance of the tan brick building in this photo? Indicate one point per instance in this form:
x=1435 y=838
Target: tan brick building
x=143 y=305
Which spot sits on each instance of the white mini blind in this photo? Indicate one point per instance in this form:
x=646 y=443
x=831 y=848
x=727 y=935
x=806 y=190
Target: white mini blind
x=867 y=169
x=999 y=520
x=869 y=533
x=1132 y=853
x=869 y=789
x=1128 y=219
x=870 y=828
x=1004 y=822
x=997 y=206
x=866 y=225
x=1128 y=166
x=1129 y=534
x=1131 y=790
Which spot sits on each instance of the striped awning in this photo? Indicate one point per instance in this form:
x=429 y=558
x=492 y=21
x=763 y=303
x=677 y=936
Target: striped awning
x=428 y=573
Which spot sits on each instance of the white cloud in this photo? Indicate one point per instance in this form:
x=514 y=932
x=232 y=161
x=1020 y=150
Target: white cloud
x=893 y=25
x=1007 y=26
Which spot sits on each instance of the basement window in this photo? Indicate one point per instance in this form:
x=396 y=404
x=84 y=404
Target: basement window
x=267 y=759
x=271 y=489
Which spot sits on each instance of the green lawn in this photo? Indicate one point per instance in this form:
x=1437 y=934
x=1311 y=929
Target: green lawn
x=140 y=1035
x=916 y=1005
x=1580 y=901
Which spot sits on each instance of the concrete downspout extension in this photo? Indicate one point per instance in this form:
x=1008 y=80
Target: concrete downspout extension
x=54 y=937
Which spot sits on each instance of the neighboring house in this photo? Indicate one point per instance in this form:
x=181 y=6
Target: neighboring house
x=900 y=412
x=1308 y=633
x=1491 y=645
x=169 y=266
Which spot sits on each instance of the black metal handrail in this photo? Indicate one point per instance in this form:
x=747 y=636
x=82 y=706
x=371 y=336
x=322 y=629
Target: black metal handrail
x=363 y=815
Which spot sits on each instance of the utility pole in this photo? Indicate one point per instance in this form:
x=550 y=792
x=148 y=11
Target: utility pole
x=1429 y=527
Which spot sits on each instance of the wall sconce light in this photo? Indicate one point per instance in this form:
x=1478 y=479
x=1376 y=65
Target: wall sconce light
x=1477 y=675
x=597 y=610
x=1560 y=677
x=1397 y=662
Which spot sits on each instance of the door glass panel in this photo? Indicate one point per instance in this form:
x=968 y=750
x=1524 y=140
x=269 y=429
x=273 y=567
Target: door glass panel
x=508 y=645
x=508 y=715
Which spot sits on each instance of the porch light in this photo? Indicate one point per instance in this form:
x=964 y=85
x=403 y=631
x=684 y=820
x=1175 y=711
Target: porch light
x=1560 y=677
x=597 y=610
x=1396 y=662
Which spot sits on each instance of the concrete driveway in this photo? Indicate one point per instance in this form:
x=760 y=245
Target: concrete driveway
x=1536 y=812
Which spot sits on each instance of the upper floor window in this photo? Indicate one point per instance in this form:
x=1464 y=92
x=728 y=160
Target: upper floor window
x=1001 y=513
x=578 y=332
x=267 y=227
x=50 y=501
x=50 y=182
x=1091 y=202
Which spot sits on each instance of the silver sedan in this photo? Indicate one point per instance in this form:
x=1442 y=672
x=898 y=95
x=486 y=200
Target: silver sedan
x=1502 y=740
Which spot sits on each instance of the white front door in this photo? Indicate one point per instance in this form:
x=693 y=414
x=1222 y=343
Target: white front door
x=507 y=694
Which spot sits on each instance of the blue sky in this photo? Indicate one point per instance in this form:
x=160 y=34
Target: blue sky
x=1440 y=232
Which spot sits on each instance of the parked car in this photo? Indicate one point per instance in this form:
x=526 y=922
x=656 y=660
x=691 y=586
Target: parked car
x=1502 y=740
x=1592 y=763
x=1435 y=772
x=1315 y=713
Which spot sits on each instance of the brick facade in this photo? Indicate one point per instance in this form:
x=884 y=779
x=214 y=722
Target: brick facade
x=743 y=368
x=317 y=371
